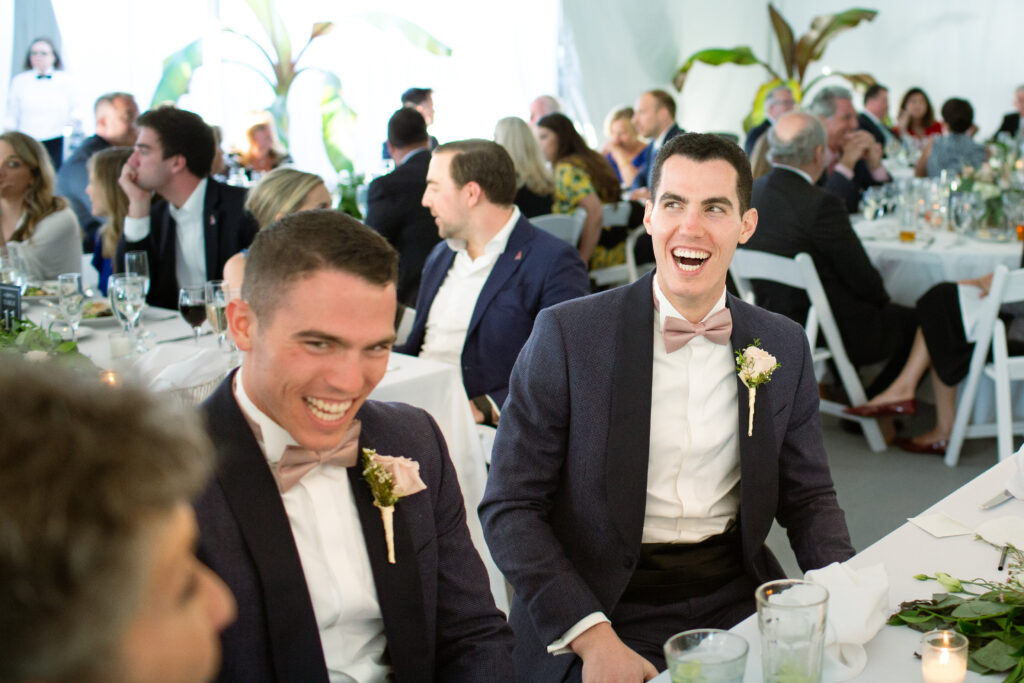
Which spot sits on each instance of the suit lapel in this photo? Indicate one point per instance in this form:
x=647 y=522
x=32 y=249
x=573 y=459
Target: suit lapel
x=758 y=464
x=516 y=251
x=211 y=228
x=629 y=425
x=259 y=512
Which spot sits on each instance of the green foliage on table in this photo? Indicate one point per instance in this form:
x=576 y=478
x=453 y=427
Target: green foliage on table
x=36 y=344
x=177 y=73
x=348 y=184
x=797 y=56
x=992 y=619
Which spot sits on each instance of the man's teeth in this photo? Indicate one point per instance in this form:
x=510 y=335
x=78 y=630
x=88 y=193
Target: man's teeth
x=328 y=410
x=689 y=259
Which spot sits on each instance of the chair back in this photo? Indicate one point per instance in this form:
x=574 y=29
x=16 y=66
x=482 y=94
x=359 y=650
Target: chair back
x=566 y=227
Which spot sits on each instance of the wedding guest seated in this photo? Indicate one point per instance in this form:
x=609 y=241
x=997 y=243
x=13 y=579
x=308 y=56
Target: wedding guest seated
x=263 y=151
x=420 y=100
x=279 y=193
x=541 y=106
x=325 y=592
x=955 y=149
x=98 y=580
x=1013 y=123
x=484 y=285
x=393 y=201
x=107 y=200
x=625 y=151
x=535 y=189
x=42 y=224
x=189 y=224
x=655 y=119
x=916 y=119
x=583 y=180
x=115 y=127
x=853 y=160
x=779 y=101
x=876 y=109
x=794 y=216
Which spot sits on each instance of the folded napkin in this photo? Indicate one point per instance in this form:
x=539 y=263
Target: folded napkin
x=858 y=607
x=179 y=366
x=1015 y=484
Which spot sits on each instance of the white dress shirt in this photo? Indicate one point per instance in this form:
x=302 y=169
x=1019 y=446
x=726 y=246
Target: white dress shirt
x=54 y=248
x=325 y=524
x=189 y=237
x=40 y=107
x=452 y=309
x=693 y=468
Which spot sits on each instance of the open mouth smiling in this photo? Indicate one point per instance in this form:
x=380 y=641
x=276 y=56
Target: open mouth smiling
x=689 y=260
x=328 y=411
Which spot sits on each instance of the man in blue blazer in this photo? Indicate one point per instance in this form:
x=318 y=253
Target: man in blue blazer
x=629 y=495
x=290 y=523
x=655 y=118
x=484 y=285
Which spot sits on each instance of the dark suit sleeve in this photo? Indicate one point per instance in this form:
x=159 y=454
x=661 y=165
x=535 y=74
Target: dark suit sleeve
x=845 y=189
x=524 y=482
x=845 y=253
x=383 y=215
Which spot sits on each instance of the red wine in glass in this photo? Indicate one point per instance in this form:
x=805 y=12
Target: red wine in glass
x=192 y=305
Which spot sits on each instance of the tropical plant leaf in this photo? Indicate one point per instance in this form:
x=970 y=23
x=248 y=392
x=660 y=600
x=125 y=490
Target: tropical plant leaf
x=270 y=20
x=860 y=81
x=417 y=36
x=995 y=655
x=716 y=56
x=979 y=609
x=784 y=34
x=321 y=28
x=338 y=123
x=757 y=112
x=177 y=73
x=824 y=28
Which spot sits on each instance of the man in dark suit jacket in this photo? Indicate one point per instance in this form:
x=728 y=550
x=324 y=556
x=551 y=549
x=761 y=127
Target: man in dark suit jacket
x=199 y=224
x=483 y=288
x=655 y=118
x=394 y=207
x=778 y=102
x=876 y=108
x=797 y=216
x=1011 y=122
x=609 y=435
x=853 y=160
x=289 y=521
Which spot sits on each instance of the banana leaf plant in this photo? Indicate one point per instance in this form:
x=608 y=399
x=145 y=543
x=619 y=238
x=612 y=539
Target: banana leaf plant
x=797 y=56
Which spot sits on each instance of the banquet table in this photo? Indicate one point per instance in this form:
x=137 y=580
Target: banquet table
x=905 y=552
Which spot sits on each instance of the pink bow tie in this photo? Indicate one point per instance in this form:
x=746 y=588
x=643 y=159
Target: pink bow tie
x=297 y=461
x=678 y=332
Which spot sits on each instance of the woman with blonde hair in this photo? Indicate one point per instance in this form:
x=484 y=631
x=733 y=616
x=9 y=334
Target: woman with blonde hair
x=31 y=215
x=108 y=200
x=625 y=151
x=535 y=188
x=279 y=193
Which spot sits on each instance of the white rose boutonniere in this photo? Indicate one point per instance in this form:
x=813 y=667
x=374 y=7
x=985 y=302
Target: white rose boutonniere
x=755 y=367
x=390 y=479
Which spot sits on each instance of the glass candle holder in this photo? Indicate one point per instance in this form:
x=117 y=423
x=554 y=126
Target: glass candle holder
x=943 y=657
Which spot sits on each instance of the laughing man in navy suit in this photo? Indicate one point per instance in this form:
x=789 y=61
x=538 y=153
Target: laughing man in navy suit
x=626 y=501
x=290 y=524
x=484 y=285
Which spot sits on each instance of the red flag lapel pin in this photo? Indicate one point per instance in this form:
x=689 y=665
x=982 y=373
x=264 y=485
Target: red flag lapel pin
x=518 y=256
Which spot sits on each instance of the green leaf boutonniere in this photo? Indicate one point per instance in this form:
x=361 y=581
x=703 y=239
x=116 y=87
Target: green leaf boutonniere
x=755 y=367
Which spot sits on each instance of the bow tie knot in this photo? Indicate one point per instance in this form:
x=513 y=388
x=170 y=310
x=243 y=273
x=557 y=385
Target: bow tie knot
x=678 y=332
x=43 y=76
x=296 y=461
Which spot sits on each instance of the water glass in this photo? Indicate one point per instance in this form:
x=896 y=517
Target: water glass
x=137 y=263
x=791 y=617
x=707 y=655
x=70 y=299
x=127 y=298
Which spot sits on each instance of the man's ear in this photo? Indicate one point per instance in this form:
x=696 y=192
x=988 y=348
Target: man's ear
x=178 y=163
x=472 y=192
x=242 y=323
x=749 y=225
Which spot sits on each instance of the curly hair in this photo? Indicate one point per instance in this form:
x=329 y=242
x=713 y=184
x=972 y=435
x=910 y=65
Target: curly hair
x=39 y=200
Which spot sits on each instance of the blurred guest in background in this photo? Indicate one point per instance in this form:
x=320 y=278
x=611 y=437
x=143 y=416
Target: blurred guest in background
x=583 y=180
x=655 y=119
x=955 y=149
x=115 y=127
x=421 y=100
x=779 y=101
x=263 y=151
x=542 y=105
x=41 y=99
x=1012 y=122
x=876 y=110
x=279 y=193
x=98 y=576
x=625 y=151
x=535 y=189
x=31 y=215
x=917 y=118
x=108 y=201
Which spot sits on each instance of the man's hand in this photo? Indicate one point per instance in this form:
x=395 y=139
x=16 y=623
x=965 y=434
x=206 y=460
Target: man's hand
x=139 y=200
x=478 y=416
x=984 y=283
x=855 y=147
x=640 y=194
x=873 y=155
x=606 y=659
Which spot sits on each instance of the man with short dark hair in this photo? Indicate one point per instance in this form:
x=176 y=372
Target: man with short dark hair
x=779 y=101
x=955 y=148
x=115 y=127
x=198 y=224
x=325 y=592
x=393 y=201
x=655 y=118
x=876 y=109
x=483 y=287
x=98 y=576
x=624 y=455
x=421 y=100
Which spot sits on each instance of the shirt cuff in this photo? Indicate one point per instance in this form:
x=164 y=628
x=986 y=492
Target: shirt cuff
x=136 y=229
x=561 y=646
x=880 y=174
x=842 y=168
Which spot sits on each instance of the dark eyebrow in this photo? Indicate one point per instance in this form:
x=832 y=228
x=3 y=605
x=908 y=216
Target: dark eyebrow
x=330 y=338
x=717 y=200
x=142 y=145
x=671 y=196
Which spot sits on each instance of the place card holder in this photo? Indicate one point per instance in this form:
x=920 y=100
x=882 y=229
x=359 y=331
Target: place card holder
x=10 y=306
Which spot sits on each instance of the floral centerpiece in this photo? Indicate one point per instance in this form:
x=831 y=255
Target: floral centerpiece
x=36 y=344
x=1000 y=178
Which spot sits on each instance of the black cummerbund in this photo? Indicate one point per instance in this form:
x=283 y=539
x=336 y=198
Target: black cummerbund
x=671 y=572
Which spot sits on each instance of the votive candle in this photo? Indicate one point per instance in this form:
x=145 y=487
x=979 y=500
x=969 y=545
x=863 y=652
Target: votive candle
x=943 y=657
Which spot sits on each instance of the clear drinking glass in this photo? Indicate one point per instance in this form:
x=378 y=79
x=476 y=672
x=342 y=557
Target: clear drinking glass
x=70 y=299
x=137 y=263
x=218 y=294
x=791 y=617
x=707 y=655
x=128 y=298
x=192 y=305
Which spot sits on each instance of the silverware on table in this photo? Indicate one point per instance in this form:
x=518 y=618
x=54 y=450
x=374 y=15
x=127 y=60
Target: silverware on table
x=997 y=499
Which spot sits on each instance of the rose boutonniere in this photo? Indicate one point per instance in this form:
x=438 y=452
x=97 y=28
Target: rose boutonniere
x=755 y=367
x=390 y=479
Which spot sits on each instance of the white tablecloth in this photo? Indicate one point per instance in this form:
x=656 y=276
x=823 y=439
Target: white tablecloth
x=908 y=551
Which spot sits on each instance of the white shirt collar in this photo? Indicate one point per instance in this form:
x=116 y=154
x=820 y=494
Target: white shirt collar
x=413 y=153
x=497 y=244
x=665 y=307
x=273 y=438
x=794 y=169
x=193 y=206
x=661 y=138
x=874 y=119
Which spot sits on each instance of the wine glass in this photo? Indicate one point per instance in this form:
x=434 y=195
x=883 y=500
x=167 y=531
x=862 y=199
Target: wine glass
x=192 y=305
x=218 y=294
x=128 y=298
x=137 y=263
x=70 y=300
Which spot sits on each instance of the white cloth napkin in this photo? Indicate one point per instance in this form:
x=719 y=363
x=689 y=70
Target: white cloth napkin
x=1015 y=485
x=858 y=607
x=178 y=366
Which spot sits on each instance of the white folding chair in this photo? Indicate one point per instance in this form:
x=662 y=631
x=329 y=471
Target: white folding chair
x=800 y=273
x=1007 y=287
x=615 y=215
x=564 y=226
